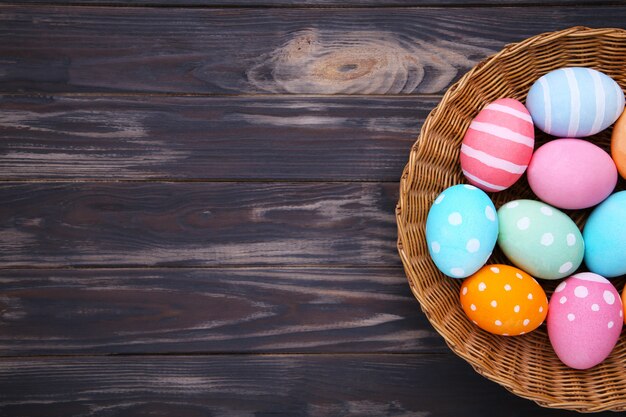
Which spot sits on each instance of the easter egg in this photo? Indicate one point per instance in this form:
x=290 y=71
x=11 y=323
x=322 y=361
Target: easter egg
x=539 y=239
x=605 y=237
x=461 y=230
x=574 y=102
x=618 y=144
x=498 y=145
x=571 y=173
x=585 y=319
x=504 y=300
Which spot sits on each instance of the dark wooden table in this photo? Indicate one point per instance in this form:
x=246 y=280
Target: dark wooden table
x=196 y=207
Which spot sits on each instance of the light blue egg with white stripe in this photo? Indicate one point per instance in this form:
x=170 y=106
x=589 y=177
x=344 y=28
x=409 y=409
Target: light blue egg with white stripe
x=575 y=102
x=461 y=230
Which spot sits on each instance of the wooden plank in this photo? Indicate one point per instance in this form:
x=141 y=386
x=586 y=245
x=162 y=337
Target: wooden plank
x=276 y=385
x=311 y=3
x=290 y=50
x=197 y=224
x=211 y=311
x=216 y=138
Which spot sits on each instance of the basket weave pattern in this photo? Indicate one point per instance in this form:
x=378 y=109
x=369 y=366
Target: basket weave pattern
x=525 y=365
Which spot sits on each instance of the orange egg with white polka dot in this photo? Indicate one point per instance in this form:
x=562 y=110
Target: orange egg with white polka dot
x=504 y=300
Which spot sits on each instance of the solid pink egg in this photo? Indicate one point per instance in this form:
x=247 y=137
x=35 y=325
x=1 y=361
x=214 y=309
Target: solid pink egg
x=571 y=173
x=498 y=145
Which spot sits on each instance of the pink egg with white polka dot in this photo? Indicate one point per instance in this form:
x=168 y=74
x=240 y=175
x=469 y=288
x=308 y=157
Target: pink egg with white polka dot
x=585 y=319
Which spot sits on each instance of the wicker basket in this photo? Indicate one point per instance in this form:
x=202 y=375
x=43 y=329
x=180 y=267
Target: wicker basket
x=525 y=365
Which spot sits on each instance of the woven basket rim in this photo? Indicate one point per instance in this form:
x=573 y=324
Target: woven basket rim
x=408 y=178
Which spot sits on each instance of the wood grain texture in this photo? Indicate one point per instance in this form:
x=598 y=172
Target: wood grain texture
x=286 y=138
x=234 y=51
x=310 y=3
x=246 y=386
x=197 y=224
x=211 y=311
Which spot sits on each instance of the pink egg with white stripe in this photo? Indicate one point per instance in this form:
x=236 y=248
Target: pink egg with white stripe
x=585 y=320
x=498 y=145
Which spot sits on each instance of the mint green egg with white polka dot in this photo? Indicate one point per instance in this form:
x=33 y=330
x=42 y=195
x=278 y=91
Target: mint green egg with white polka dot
x=540 y=239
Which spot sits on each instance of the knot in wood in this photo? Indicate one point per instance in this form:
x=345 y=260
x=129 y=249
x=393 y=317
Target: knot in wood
x=359 y=62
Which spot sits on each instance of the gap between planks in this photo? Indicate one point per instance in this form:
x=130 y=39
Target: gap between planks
x=277 y=96
x=391 y=5
x=225 y=354
x=197 y=267
x=196 y=180
x=238 y=267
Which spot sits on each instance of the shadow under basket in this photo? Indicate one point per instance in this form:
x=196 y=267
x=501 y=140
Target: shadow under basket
x=525 y=365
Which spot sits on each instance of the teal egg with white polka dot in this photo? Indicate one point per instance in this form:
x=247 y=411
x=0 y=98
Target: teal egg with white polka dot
x=605 y=237
x=461 y=230
x=540 y=239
